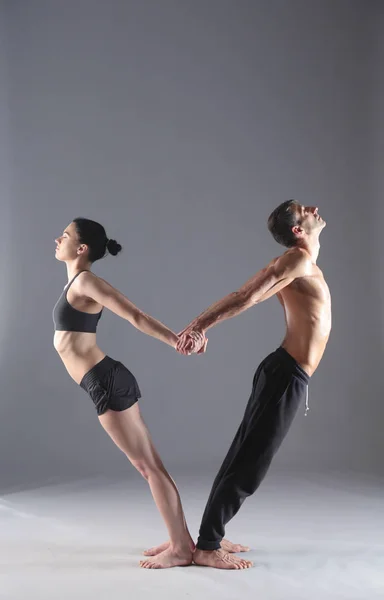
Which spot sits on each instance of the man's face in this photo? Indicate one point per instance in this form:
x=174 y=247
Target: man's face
x=309 y=218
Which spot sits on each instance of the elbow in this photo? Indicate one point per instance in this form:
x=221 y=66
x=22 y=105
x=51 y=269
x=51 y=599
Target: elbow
x=140 y=321
x=135 y=319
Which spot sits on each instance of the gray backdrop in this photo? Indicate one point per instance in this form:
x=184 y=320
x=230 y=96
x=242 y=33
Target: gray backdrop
x=180 y=125
x=378 y=172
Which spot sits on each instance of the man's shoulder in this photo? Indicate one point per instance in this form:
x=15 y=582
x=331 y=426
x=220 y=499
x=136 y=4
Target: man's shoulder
x=294 y=260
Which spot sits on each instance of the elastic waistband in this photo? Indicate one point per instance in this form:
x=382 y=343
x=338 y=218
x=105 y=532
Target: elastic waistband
x=294 y=365
x=97 y=372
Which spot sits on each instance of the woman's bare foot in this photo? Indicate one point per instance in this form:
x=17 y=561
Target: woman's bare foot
x=225 y=545
x=169 y=558
x=156 y=549
x=219 y=559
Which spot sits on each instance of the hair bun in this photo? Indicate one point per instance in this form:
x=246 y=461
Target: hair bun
x=113 y=247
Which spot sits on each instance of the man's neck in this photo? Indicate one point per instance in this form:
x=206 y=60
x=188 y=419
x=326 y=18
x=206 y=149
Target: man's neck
x=312 y=246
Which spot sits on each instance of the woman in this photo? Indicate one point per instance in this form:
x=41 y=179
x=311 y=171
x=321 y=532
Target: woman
x=112 y=387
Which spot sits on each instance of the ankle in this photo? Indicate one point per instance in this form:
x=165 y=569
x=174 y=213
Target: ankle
x=180 y=547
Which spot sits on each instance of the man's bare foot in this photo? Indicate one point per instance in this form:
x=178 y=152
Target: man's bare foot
x=168 y=558
x=225 y=545
x=228 y=546
x=219 y=559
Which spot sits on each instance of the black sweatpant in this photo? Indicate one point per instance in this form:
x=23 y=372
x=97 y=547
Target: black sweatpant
x=278 y=387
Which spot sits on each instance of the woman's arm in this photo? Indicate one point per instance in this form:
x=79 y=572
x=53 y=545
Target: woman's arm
x=105 y=294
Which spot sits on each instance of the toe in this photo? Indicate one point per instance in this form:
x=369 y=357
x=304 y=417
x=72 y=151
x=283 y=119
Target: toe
x=243 y=564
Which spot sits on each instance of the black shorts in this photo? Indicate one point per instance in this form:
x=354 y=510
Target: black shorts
x=111 y=386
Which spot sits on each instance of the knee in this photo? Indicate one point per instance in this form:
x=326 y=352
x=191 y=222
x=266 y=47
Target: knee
x=145 y=468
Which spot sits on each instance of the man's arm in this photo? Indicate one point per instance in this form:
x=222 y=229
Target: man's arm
x=267 y=282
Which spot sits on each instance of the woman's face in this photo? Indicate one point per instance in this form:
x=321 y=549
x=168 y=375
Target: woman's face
x=67 y=244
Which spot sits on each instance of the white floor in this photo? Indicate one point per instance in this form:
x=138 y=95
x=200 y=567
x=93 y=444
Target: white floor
x=312 y=537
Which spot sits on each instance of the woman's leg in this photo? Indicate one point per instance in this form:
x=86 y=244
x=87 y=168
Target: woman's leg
x=129 y=432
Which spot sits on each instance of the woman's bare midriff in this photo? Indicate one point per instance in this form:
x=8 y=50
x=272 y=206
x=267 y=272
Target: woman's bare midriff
x=78 y=351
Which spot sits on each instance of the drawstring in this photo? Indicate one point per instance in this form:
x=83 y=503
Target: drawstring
x=306 y=402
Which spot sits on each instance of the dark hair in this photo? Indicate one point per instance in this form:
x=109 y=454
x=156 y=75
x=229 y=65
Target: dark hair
x=93 y=235
x=281 y=221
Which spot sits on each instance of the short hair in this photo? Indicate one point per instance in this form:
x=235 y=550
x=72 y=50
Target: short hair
x=281 y=221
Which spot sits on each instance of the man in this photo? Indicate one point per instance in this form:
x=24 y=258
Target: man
x=281 y=380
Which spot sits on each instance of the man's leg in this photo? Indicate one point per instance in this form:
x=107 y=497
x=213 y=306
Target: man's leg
x=269 y=413
x=249 y=460
x=233 y=450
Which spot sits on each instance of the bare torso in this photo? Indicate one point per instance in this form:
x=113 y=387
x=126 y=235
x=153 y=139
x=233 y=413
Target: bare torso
x=78 y=351
x=307 y=307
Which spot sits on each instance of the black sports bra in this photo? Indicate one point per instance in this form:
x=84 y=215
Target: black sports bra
x=68 y=318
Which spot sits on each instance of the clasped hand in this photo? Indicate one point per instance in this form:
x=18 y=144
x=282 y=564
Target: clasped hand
x=192 y=340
